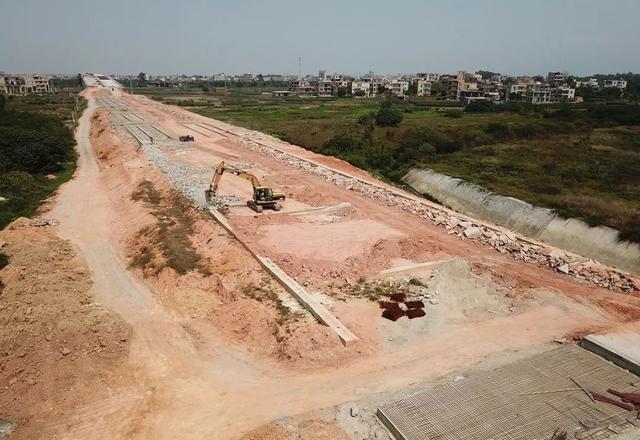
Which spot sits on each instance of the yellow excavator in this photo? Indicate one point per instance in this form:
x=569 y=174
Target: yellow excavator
x=263 y=196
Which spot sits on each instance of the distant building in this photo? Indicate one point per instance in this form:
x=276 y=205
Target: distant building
x=302 y=87
x=326 y=88
x=246 y=77
x=565 y=93
x=591 y=82
x=516 y=91
x=557 y=78
x=281 y=93
x=24 y=84
x=539 y=93
x=361 y=88
x=423 y=87
x=455 y=85
x=431 y=77
x=397 y=87
x=615 y=83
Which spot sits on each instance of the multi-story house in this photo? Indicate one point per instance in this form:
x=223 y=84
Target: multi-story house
x=397 y=87
x=25 y=84
x=591 y=82
x=361 y=87
x=423 y=87
x=455 y=85
x=564 y=93
x=302 y=87
x=539 y=93
x=617 y=83
x=557 y=78
x=326 y=88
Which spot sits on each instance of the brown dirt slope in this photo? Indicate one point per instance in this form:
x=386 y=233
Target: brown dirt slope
x=58 y=347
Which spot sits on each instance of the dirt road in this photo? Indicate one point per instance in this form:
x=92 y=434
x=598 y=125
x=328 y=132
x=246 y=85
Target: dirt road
x=192 y=380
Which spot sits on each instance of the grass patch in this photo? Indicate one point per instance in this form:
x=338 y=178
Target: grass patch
x=269 y=297
x=377 y=290
x=171 y=246
x=36 y=140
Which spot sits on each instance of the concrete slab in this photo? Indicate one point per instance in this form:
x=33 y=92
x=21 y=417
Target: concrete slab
x=622 y=348
x=525 y=400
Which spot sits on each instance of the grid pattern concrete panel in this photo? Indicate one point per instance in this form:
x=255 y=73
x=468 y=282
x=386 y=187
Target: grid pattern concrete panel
x=513 y=402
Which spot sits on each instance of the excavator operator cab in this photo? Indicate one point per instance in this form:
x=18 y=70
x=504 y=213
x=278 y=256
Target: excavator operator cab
x=264 y=193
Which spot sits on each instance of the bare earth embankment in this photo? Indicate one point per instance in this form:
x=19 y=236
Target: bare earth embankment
x=200 y=342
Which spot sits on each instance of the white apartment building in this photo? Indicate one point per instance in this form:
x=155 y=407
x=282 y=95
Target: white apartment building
x=361 y=87
x=617 y=83
x=398 y=87
x=423 y=87
x=565 y=93
x=539 y=93
x=591 y=82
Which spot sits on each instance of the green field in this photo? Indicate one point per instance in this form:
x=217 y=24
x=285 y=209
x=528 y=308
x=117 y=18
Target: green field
x=36 y=141
x=583 y=161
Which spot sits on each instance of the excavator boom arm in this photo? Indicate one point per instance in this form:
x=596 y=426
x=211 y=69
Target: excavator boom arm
x=221 y=168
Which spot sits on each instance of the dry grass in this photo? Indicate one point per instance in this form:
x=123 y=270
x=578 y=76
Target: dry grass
x=268 y=296
x=171 y=246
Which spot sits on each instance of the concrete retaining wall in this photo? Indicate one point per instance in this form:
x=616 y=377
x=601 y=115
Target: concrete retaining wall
x=599 y=243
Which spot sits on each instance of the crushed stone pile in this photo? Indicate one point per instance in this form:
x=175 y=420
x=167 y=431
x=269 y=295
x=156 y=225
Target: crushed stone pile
x=42 y=222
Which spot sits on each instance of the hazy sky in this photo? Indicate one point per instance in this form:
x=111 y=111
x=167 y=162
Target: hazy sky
x=349 y=36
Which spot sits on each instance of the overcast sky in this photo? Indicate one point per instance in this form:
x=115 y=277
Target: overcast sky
x=349 y=36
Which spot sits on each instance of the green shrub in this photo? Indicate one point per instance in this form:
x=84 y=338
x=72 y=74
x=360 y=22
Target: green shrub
x=388 y=117
x=452 y=114
x=480 y=106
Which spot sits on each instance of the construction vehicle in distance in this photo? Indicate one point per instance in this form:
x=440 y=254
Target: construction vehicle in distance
x=263 y=196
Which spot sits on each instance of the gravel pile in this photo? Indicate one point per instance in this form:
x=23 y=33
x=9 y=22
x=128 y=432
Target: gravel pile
x=41 y=222
x=187 y=180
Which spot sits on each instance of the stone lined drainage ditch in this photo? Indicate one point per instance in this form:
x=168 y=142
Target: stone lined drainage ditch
x=543 y=224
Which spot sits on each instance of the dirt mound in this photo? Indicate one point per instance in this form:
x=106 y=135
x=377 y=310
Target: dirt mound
x=58 y=346
x=312 y=345
x=250 y=322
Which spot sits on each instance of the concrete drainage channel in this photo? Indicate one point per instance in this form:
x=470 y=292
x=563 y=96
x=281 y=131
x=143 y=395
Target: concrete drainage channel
x=541 y=223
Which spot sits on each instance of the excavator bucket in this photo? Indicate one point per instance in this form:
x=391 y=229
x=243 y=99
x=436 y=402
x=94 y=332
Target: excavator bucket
x=209 y=195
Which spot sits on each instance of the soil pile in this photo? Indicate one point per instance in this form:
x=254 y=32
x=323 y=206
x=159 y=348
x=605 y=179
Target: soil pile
x=57 y=346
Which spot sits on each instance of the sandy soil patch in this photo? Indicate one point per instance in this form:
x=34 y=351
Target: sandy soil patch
x=333 y=242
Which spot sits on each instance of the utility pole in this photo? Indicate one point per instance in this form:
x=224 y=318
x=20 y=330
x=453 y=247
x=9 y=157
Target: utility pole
x=299 y=67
